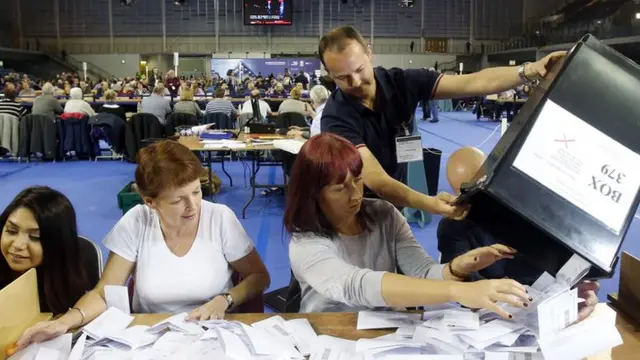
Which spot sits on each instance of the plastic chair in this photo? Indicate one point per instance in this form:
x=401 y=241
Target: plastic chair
x=90 y=248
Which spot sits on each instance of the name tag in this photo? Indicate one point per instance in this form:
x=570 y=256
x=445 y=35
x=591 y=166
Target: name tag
x=409 y=148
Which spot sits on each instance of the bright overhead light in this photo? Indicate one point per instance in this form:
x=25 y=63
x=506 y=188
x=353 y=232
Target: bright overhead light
x=637 y=15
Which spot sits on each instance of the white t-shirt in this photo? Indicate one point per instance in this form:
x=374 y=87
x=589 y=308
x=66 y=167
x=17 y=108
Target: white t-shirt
x=166 y=283
x=264 y=108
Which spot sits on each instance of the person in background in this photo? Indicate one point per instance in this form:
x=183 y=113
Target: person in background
x=154 y=77
x=186 y=105
x=302 y=79
x=278 y=91
x=76 y=103
x=156 y=104
x=456 y=237
x=264 y=108
x=8 y=104
x=172 y=83
x=39 y=232
x=319 y=96
x=111 y=107
x=27 y=89
x=141 y=89
x=345 y=250
x=180 y=249
x=221 y=105
x=296 y=105
x=250 y=87
x=46 y=104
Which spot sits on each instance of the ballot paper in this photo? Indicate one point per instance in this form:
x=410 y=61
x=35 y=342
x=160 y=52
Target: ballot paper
x=303 y=335
x=177 y=323
x=276 y=328
x=591 y=336
x=78 y=348
x=573 y=271
x=557 y=313
x=55 y=349
x=368 y=320
x=131 y=338
x=117 y=297
x=108 y=322
x=289 y=145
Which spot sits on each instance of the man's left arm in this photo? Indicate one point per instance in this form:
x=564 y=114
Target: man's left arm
x=494 y=80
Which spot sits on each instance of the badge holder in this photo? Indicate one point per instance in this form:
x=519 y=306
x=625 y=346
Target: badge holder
x=416 y=180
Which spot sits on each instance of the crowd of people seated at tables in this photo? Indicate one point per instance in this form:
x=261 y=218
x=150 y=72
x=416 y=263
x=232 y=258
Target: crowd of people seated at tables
x=276 y=86
x=160 y=97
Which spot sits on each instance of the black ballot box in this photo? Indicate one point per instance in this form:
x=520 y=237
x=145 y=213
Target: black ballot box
x=564 y=178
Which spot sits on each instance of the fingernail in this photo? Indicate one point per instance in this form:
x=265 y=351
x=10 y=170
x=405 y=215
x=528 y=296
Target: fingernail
x=525 y=304
x=530 y=299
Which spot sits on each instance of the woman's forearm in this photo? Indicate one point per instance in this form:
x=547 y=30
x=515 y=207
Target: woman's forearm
x=405 y=291
x=92 y=305
x=248 y=288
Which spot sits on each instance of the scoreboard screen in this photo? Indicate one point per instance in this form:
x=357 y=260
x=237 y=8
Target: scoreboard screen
x=267 y=12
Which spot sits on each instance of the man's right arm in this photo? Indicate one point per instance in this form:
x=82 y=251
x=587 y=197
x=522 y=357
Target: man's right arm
x=390 y=189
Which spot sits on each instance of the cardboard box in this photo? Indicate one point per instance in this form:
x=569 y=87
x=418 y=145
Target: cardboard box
x=19 y=309
x=563 y=179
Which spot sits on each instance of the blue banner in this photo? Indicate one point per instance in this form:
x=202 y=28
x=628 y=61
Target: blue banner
x=251 y=67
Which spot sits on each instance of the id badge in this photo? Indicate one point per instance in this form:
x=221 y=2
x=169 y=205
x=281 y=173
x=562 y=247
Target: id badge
x=409 y=148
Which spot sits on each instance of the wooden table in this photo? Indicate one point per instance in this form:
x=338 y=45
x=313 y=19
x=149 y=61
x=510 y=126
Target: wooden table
x=193 y=143
x=343 y=325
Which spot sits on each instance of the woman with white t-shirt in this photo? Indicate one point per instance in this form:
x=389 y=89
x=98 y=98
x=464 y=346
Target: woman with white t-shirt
x=180 y=250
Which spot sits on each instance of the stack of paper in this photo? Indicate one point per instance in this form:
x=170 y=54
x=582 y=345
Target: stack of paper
x=108 y=337
x=546 y=330
x=289 y=145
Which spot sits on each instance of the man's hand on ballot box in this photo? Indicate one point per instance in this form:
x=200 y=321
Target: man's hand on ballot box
x=588 y=291
x=538 y=70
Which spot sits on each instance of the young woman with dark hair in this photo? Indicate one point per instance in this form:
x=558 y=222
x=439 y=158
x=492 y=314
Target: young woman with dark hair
x=39 y=231
x=346 y=251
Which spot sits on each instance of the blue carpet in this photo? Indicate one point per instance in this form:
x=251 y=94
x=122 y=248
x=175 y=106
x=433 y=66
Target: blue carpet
x=93 y=187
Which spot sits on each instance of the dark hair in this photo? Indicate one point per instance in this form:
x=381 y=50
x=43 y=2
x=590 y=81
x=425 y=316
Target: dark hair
x=10 y=93
x=164 y=165
x=62 y=279
x=323 y=160
x=338 y=39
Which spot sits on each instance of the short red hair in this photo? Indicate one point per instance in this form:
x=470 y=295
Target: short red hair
x=166 y=165
x=324 y=160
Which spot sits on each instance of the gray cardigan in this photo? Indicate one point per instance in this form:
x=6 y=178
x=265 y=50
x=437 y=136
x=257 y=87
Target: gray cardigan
x=344 y=274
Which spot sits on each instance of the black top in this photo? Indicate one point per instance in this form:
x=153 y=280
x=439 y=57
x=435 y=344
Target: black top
x=398 y=92
x=456 y=237
x=114 y=109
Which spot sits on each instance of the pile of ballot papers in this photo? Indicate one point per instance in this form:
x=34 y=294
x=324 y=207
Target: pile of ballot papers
x=547 y=329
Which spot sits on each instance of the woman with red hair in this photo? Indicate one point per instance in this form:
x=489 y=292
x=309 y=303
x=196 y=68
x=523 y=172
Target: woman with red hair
x=346 y=251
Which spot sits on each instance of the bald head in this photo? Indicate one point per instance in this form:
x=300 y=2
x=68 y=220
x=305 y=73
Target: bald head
x=255 y=93
x=463 y=165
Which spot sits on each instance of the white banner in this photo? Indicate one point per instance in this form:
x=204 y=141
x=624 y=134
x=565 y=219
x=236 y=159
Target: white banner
x=582 y=165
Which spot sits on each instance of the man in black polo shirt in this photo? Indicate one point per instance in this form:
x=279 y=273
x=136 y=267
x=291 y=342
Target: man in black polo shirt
x=373 y=108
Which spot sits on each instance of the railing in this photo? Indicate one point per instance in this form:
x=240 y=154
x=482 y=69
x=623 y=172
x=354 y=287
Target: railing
x=91 y=67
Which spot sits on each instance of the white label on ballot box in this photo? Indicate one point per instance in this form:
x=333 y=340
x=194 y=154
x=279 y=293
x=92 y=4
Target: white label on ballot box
x=581 y=164
x=409 y=148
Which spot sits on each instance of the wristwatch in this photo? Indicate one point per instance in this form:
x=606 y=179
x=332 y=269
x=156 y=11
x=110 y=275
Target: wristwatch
x=522 y=74
x=229 y=299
